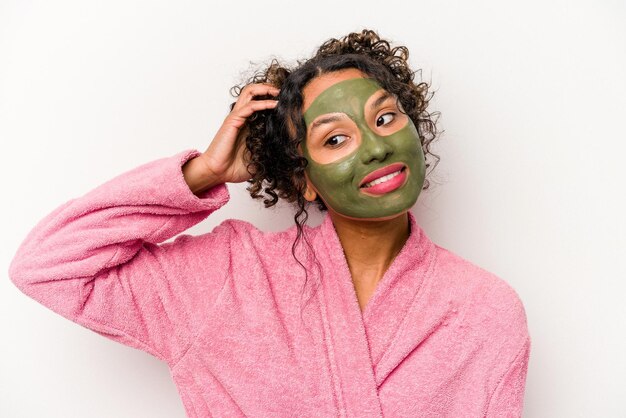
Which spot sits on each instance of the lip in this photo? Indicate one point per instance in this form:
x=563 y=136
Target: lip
x=381 y=172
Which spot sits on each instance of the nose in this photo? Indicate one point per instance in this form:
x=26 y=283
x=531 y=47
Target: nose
x=374 y=147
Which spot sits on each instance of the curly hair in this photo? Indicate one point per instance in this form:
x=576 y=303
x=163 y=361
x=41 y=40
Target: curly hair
x=273 y=135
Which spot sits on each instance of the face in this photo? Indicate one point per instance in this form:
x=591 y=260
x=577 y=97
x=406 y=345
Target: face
x=364 y=154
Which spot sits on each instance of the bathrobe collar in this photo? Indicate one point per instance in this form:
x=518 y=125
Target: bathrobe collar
x=364 y=348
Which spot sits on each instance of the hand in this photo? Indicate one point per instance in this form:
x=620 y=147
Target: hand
x=224 y=159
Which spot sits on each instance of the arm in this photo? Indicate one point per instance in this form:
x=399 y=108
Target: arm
x=96 y=260
x=508 y=397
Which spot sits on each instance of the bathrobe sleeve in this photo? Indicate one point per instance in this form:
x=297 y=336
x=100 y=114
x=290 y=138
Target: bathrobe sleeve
x=508 y=397
x=96 y=260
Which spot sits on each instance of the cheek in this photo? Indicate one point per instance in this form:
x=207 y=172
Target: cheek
x=413 y=148
x=325 y=155
x=342 y=172
x=407 y=142
x=334 y=176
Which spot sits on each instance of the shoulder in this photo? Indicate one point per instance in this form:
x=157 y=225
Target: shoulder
x=246 y=238
x=247 y=231
x=488 y=301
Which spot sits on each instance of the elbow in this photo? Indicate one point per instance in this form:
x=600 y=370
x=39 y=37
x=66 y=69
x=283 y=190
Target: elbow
x=18 y=274
x=55 y=294
x=25 y=269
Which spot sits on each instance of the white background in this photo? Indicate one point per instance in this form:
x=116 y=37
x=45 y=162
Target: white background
x=530 y=185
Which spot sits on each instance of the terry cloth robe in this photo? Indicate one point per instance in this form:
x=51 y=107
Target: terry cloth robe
x=246 y=333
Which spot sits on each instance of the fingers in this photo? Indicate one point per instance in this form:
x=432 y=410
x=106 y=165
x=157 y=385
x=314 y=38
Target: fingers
x=246 y=105
x=257 y=89
x=254 y=106
x=237 y=117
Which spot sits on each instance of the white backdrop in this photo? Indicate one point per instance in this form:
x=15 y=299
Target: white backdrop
x=530 y=185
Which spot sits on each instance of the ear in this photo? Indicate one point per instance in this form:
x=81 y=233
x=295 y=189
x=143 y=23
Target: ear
x=310 y=193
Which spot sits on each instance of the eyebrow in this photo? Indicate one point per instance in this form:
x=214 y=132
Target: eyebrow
x=386 y=95
x=328 y=119
x=335 y=118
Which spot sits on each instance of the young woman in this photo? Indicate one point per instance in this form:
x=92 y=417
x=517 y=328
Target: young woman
x=366 y=318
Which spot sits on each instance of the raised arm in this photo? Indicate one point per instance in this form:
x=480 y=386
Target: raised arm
x=95 y=259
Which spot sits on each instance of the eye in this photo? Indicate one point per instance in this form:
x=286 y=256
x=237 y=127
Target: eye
x=385 y=119
x=334 y=141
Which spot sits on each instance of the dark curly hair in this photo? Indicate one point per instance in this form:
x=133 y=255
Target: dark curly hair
x=273 y=135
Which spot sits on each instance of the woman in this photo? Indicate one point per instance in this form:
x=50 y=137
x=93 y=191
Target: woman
x=391 y=325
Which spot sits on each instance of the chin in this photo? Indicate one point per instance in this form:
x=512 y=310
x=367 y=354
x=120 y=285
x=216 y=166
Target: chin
x=378 y=218
x=382 y=215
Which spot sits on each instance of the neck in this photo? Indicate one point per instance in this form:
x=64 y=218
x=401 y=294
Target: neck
x=371 y=246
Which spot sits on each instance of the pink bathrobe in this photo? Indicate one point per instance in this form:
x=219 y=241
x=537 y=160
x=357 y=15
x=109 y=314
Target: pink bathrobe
x=244 y=335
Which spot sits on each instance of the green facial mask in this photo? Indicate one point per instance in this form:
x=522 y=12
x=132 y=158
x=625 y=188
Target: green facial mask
x=338 y=182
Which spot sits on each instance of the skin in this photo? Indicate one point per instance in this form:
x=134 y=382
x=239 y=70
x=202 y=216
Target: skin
x=372 y=228
x=337 y=168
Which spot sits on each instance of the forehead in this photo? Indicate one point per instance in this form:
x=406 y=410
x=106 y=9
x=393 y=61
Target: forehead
x=320 y=83
x=346 y=93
